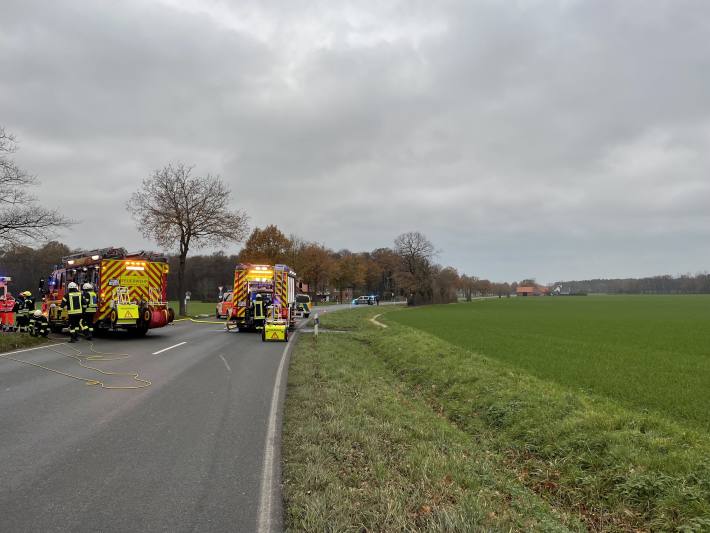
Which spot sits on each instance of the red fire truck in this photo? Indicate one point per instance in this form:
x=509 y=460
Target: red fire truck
x=263 y=299
x=131 y=289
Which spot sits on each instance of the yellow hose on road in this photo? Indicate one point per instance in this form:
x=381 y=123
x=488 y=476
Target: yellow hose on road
x=81 y=358
x=199 y=321
x=98 y=356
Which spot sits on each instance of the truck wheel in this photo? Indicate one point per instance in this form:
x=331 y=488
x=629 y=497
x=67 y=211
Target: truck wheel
x=263 y=335
x=286 y=335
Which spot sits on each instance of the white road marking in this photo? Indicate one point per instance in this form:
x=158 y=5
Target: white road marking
x=35 y=348
x=225 y=362
x=267 y=473
x=169 y=348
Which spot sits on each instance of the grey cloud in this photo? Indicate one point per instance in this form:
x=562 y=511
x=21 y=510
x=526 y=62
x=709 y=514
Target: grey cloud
x=549 y=139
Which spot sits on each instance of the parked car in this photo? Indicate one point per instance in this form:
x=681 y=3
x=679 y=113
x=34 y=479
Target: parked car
x=363 y=300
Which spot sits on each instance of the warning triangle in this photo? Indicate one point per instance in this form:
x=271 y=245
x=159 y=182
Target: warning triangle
x=274 y=335
x=128 y=314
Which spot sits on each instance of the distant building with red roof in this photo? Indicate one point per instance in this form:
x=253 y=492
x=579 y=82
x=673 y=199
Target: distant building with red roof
x=532 y=290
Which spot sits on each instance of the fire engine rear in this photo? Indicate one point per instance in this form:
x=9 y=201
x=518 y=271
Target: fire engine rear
x=131 y=289
x=263 y=299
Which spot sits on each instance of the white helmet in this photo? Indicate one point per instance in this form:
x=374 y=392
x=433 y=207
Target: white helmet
x=73 y=285
x=87 y=286
x=37 y=313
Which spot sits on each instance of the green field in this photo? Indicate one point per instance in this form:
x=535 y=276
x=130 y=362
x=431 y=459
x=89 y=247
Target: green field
x=195 y=308
x=647 y=352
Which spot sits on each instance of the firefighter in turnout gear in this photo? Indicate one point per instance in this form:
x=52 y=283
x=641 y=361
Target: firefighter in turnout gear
x=89 y=302
x=72 y=303
x=259 y=311
x=19 y=310
x=24 y=307
x=39 y=325
x=29 y=305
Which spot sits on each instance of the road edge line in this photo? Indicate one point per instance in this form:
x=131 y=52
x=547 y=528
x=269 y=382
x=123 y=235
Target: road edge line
x=264 y=517
x=31 y=349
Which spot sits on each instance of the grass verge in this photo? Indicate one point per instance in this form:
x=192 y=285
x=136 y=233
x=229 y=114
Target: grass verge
x=396 y=429
x=361 y=453
x=17 y=341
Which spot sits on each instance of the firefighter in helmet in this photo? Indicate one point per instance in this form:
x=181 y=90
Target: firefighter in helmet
x=72 y=303
x=24 y=305
x=259 y=311
x=89 y=303
x=39 y=325
x=29 y=304
x=18 y=309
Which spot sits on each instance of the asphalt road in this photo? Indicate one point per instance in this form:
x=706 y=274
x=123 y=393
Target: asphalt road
x=184 y=454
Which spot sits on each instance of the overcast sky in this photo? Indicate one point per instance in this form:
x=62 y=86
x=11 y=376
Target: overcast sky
x=554 y=139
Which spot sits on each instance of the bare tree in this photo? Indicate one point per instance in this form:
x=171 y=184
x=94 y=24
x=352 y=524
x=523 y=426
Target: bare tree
x=22 y=220
x=416 y=253
x=180 y=211
x=414 y=248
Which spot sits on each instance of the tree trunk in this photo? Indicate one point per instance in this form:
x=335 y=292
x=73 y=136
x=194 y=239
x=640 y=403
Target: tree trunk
x=181 y=283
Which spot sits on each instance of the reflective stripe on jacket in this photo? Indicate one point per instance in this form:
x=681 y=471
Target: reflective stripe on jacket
x=72 y=303
x=258 y=310
x=90 y=301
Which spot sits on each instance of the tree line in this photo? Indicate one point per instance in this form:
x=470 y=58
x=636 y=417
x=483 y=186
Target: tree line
x=405 y=270
x=665 y=284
